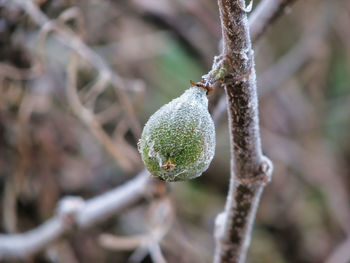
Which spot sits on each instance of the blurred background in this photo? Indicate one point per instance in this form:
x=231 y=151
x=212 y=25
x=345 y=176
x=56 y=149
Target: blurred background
x=50 y=149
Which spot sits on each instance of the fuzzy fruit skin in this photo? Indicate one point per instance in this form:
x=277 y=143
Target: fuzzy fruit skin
x=178 y=141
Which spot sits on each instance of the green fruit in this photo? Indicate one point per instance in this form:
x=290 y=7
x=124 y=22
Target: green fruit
x=178 y=141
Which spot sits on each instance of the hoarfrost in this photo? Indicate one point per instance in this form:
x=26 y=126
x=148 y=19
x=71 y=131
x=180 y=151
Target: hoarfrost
x=182 y=131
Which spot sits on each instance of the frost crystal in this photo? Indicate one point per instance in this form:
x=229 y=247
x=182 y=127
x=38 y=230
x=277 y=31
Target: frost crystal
x=178 y=141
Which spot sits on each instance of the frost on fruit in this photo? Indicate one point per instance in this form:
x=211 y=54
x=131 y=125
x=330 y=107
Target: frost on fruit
x=178 y=141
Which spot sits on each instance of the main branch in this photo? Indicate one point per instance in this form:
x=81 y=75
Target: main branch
x=250 y=169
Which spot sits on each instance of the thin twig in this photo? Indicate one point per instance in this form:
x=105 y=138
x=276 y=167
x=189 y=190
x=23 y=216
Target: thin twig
x=274 y=77
x=298 y=156
x=65 y=36
x=9 y=205
x=62 y=252
x=112 y=112
x=250 y=169
x=323 y=177
x=287 y=65
x=341 y=254
x=83 y=215
x=114 y=242
x=160 y=220
x=15 y=73
x=88 y=118
x=265 y=14
x=156 y=253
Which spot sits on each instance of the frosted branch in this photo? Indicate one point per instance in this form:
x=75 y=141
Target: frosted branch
x=250 y=169
x=74 y=212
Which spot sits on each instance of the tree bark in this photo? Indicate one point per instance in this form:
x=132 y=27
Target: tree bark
x=250 y=169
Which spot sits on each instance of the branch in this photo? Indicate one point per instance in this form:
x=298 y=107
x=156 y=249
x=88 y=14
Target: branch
x=158 y=224
x=250 y=170
x=67 y=38
x=88 y=118
x=73 y=40
x=306 y=49
x=248 y=176
x=341 y=254
x=74 y=212
x=264 y=15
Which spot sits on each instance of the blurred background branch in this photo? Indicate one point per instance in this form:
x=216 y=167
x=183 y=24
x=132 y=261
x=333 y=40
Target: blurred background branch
x=265 y=14
x=73 y=212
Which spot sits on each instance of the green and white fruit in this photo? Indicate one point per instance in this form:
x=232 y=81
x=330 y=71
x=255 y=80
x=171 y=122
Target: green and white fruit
x=178 y=141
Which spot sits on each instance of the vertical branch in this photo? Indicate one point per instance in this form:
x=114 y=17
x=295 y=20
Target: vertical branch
x=250 y=169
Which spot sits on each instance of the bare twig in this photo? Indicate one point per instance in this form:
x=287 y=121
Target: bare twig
x=250 y=169
x=62 y=252
x=19 y=74
x=68 y=38
x=219 y=110
x=112 y=112
x=274 y=77
x=341 y=254
x=156 y=253
x=21 y=245
x=160 y=220
x=9 y=205
x=324 y=177
x=286 y=66
x=297 y=156
x=264 y=15
x=87 y=117
x=114 y=242
x=250 y=172
x=74 y=212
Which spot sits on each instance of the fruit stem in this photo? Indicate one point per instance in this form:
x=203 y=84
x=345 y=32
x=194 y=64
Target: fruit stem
x=202 y=85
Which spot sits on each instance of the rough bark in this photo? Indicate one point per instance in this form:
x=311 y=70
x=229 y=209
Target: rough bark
x=250 y=169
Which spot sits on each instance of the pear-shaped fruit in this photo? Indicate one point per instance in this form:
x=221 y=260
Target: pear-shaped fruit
x=178 y=141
